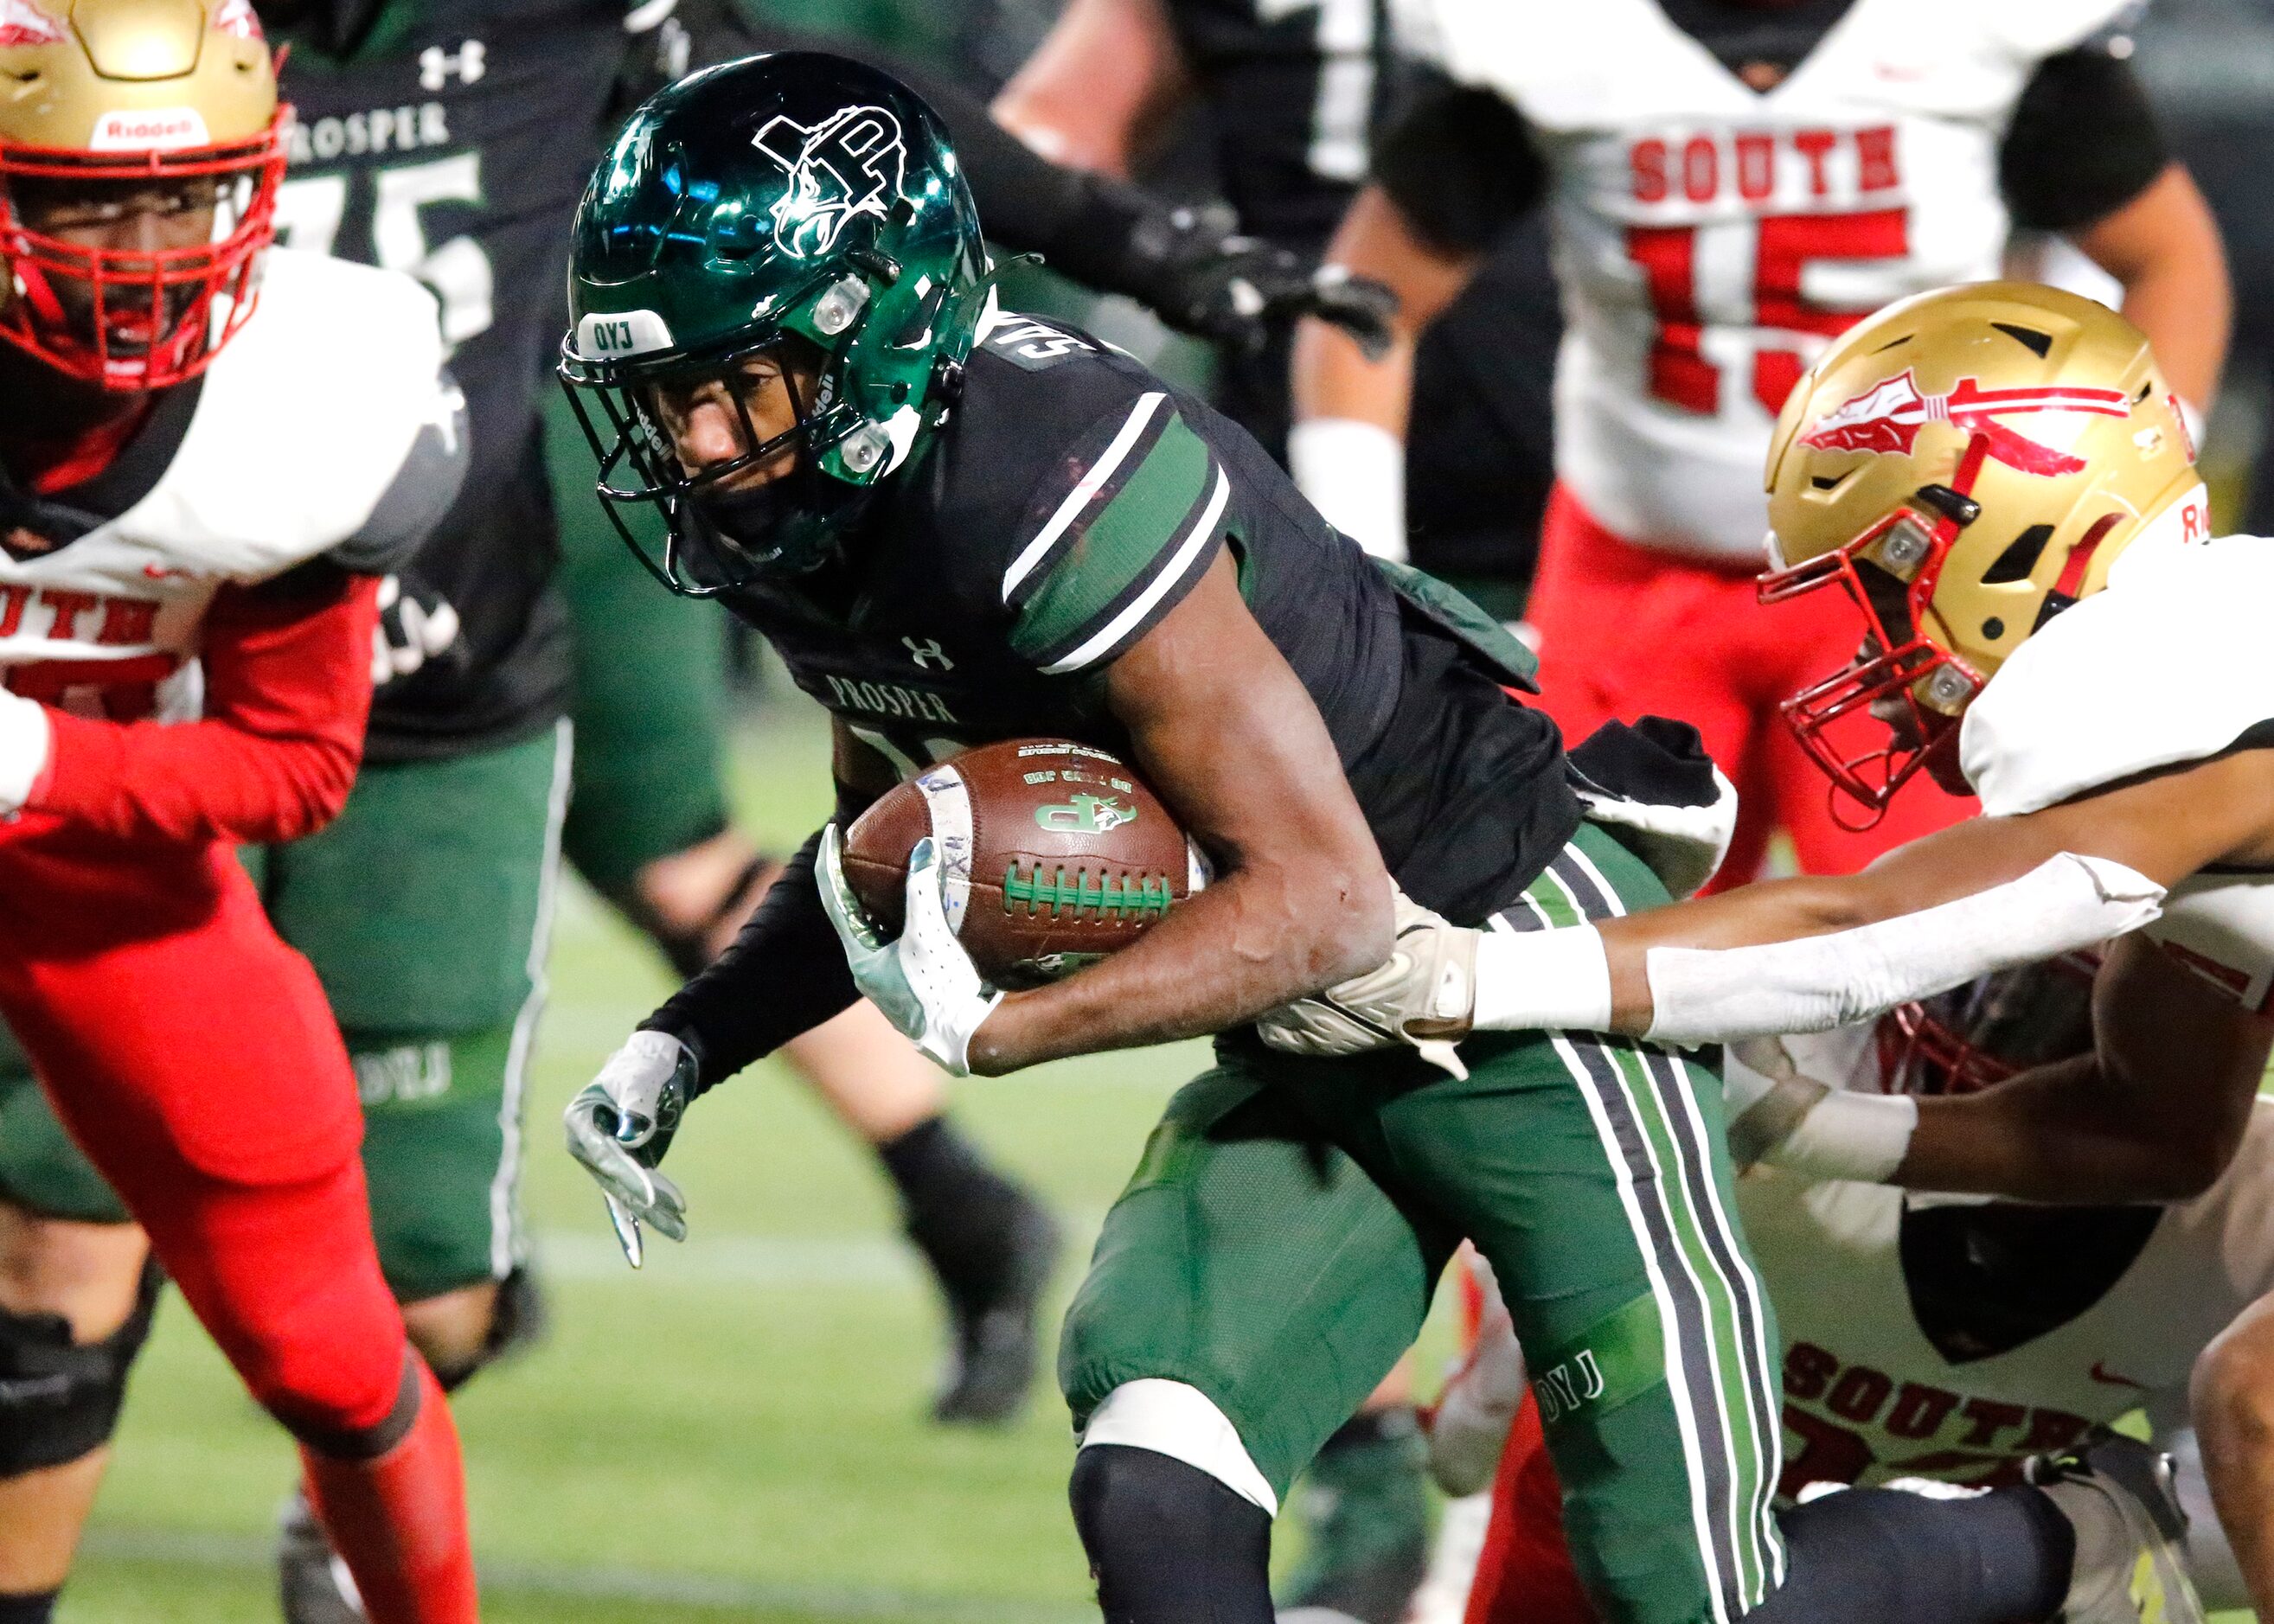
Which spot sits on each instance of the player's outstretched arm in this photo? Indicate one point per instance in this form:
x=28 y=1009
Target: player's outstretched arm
x=2232 y=1403
x=1815 y=952
x=1224 y=732
x=1810 y=953
x=2154 y=1113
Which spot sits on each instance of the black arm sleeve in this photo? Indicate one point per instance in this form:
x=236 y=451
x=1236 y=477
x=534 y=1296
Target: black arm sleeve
x=1461 y=165
x=2083 y=143
x=784 y=974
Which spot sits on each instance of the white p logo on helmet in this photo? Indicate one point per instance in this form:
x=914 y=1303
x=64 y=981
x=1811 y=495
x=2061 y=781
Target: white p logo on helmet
x=847 y=165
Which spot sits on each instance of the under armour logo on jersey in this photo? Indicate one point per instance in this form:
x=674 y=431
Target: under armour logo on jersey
x=849 y=165
x=467 y=64
x=1887 y=416
x=927 y=655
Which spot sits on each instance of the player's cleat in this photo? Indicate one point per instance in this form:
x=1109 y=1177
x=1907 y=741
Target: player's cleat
x=2121 y=1496
x=1364 y=1510
x=313 y=1584
x=994 y=1313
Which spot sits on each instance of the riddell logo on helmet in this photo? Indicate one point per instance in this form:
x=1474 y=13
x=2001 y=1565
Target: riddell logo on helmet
x=160 y=128
x=22 y=23
x=1887 y=418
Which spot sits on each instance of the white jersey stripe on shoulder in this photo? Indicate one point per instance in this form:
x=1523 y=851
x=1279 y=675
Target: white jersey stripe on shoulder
x=1143 y=603
x=1131 y=429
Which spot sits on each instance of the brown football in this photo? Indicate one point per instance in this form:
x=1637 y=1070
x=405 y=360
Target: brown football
x=1060 y=855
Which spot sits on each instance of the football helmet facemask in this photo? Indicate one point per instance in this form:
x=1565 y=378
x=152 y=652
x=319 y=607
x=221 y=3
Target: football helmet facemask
x=1962 y=466
x=123 y=107
x=1973 y=1036
x=795 y=205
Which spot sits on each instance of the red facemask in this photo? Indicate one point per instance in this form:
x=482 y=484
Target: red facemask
x=1977 y=1036
x=1868 y=757
x=139 y=319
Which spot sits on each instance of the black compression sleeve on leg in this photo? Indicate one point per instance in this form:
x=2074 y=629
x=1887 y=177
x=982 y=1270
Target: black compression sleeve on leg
x=1168 y=1544
x=1882 y=1556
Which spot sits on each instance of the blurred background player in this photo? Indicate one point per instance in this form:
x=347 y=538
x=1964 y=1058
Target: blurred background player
x=1287 y=97
x=424 y=907
x=198 y=487
x=1730 y=184
x=1951 y=1338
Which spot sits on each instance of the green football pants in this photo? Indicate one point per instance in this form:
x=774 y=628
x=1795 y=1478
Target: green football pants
x=650 y=697
x=1278 y=1244
x=424 y=907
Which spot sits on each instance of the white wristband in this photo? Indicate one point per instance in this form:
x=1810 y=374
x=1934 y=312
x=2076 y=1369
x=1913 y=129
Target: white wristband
x=1354 y=474
x=26 y=740
x=1543 y=981
x=1863 y=1137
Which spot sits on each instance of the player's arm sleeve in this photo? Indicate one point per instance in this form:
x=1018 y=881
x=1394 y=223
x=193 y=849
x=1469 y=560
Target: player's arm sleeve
x=1460 y=163
x=425 y=487
x=287 y=690
x=2085 y=141
x=784 y=974
x=1115 y=537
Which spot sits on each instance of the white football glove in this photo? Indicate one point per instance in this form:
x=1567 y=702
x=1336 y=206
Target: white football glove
x=923 y=980
x=1430 y=977
x=620 y=1124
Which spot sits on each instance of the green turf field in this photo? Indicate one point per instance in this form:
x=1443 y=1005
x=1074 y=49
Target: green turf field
x=735 y=1433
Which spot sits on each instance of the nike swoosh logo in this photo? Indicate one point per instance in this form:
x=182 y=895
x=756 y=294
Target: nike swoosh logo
x=2100 y=1373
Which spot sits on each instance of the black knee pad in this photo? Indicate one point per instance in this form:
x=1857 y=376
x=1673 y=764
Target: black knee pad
x=689 y=949
x=59 y=1401
x=518 y=1321
x=1169 y=1544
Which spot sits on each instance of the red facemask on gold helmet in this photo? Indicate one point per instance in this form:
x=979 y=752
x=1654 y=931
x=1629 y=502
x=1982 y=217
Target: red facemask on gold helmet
x=1961 y=467
x=141 y=153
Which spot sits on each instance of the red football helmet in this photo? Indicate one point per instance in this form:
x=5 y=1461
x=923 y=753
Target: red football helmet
x=116 y=103
x=1990 y=1029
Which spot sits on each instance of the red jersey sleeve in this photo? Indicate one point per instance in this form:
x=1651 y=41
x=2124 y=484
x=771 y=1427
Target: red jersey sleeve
x=287 y=691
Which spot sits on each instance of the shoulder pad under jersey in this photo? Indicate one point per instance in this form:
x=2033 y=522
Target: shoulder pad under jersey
x=2166 y=664
x=305 y=419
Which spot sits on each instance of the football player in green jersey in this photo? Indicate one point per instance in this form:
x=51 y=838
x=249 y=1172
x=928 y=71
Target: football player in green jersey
x=429 y=138
x=957 y=525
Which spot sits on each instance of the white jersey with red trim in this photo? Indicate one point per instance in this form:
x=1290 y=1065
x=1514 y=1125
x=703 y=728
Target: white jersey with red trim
x=1710 y=239
x=301 y=428
x=1868 y=1397
x=2166 y=664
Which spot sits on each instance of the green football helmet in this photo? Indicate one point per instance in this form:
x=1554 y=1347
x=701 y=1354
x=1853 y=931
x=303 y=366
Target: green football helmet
x=789 y=204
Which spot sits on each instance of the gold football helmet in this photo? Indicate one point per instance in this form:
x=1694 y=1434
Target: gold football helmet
x=106 y=105
x=1963 y=466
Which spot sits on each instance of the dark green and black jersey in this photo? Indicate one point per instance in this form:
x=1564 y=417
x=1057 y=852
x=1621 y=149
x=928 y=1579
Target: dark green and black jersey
x=452 y=143
x=1066 y=506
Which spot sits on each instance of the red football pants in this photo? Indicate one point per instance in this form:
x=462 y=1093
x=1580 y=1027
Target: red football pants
x=191 y=1055
x=1525 y=1575
x=1626 y=631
